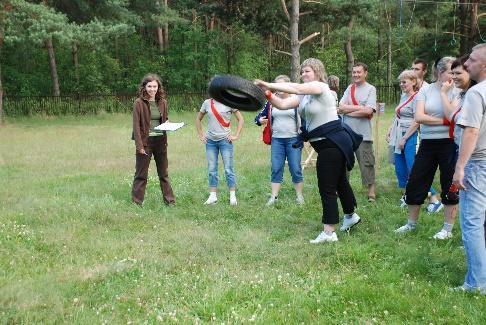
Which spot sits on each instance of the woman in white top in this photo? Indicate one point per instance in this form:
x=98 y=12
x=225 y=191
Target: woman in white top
x=317 y=106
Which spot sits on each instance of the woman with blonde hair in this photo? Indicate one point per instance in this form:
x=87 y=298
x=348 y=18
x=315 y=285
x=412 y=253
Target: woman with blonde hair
x=403 y=133
x=334 y=146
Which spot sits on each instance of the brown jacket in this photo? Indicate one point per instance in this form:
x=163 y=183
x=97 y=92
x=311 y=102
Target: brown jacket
x=141 y=121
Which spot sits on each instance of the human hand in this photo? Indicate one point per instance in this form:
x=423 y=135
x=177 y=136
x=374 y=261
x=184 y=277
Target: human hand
x=232 y=138
x=203 y=138
x=263 y=121
x=142 y=152
x=446 y=86
x=262 y=84
x=401 y=143
x=458 y=178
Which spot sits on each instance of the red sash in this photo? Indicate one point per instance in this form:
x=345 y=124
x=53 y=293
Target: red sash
x=353 y=98
x=218 y=116
x=453 y=123
x=403 y=105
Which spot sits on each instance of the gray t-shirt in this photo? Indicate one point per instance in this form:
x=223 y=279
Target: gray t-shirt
x=365 y=94
x=473 y=115
x=216 y=131
x=403 y=119
x=318 y=109
x=284 y=124
x=430 y=95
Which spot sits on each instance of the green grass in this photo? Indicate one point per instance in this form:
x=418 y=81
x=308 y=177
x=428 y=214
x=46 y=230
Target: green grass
x=73 y=249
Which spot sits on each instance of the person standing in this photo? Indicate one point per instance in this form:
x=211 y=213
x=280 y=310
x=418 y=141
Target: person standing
x=285 y=129
x=149 y=111
x=333 y=144
x=357 y=106
x=218 y=139
x=470 y=172
x=436 y=149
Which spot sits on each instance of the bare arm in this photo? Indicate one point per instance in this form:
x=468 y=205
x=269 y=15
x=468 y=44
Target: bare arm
x=468 y=143
x=199 y=129
x=422 y=118
x=239 y=127
x=449 y=106
x=310 y=88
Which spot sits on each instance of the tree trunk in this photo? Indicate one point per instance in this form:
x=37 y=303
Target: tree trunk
x=52 y=63
x=348 y=48
x=74 y=52
x=166 y=30
x=389 y=59
x=294 y=42
x=474 y=39
x=1 y=84
x=160 y=39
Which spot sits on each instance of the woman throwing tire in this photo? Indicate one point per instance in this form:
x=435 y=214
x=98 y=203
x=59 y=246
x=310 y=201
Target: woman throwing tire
x=334 y=146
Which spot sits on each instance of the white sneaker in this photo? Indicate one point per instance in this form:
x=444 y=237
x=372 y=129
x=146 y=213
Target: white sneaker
x=404 y=229
x=271 y=201
x=350 y=223
x=300 y=199
x=435 y=207
x=323 y=237
x=403 y=204
x=443 y=234
x=211 y=200
x=233 y=201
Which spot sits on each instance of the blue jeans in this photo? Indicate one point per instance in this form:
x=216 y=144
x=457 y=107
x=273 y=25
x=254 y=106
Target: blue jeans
x=282 y=149
x=212 y=150
x=472 y=213
x=404 y=162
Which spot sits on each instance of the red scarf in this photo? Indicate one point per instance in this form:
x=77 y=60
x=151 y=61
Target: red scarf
x=353 y=98
x=218 y=116
x=397 y=110
x=453 y=123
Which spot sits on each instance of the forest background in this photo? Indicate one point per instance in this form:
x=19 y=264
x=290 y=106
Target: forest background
x=80 y=47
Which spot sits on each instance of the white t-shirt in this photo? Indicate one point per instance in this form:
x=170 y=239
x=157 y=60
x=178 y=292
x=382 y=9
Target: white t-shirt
x=473 y=115
x=216 y=131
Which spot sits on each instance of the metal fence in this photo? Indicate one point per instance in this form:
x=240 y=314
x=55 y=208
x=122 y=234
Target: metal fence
x=84 y=104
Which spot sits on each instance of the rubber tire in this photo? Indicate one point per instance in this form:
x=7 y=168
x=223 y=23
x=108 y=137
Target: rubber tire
x=236 y=92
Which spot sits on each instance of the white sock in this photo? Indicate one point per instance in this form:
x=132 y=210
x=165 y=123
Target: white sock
x=232 y=194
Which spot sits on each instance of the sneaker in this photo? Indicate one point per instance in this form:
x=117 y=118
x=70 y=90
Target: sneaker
x=350 y=223
x=323 y=237
x=300 y=199
x=404 y=229
x=271 y=201
x=211 y=200
x=371 y=198
x=435 y=207
x=443 y=234
x=233 y=201
x=403 y=204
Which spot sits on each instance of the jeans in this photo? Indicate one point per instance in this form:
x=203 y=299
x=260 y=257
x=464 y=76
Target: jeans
x=332 y=181
x=472 y=213
x=282 y=149
x=212 y=150
x=404 y=162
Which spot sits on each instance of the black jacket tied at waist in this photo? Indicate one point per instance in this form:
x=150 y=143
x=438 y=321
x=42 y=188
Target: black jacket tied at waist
x=339 y=133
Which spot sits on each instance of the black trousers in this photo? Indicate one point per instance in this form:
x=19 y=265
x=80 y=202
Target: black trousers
x=332 y=181
x=156 y=147
x=432 y=153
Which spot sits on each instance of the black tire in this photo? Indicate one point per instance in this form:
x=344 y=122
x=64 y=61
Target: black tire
x=237 y=93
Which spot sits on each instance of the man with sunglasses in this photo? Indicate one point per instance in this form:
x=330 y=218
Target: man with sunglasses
x=470 y=173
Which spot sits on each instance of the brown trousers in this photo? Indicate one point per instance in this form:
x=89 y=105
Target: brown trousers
x=158 y=149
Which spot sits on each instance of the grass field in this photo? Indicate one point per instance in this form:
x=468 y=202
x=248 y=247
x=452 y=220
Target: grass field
x=74 y=249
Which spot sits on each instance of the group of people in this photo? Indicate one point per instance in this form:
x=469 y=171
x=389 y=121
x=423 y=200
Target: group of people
x=446 y=119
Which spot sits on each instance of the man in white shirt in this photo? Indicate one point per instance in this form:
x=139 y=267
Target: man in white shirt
x=357 y=106
x=470 y=173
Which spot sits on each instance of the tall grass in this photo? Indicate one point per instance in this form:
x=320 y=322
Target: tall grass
x=74 y=249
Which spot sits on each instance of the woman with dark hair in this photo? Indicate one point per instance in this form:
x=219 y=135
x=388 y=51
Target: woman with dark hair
x=149 y=111
x=452 y=108
x=333 y=144
x=437 y=150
